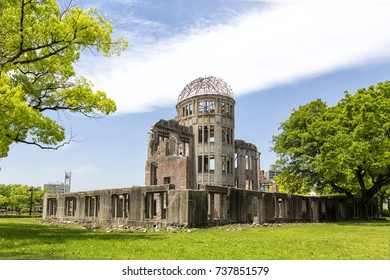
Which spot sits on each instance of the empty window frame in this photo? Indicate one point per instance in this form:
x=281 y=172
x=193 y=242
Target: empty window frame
x=120 y=205
x=223 y=107
x=206 y=133
x=200 y=134
x=212 y=106
x=70 y=206
x=172 y=146
x=182 y=148
x=167 y=180
x=227 y=109
x=89 y=206
x=154 y=145
x=97 y=206
x=51 y=206
x=205 y=163
x=200 y=164
x=212 y=164
x=228 y=131
x=200 y=107
x=206 y=107
x=189 y=109
x=212 y=136
x=223 y=163
x=153 y=173
x=154 y=209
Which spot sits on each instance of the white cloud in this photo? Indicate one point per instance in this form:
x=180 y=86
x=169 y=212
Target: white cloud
x=281 y=43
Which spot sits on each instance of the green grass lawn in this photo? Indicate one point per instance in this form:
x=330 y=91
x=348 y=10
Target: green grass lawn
x=30 y=239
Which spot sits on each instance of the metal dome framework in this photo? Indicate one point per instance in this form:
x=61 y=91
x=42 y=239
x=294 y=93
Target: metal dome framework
x=205 y=85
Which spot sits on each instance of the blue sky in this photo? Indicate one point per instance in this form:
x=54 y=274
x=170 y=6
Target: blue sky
x=276 y=55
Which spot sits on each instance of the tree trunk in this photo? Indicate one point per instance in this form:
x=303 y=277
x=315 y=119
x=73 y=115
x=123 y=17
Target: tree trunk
x=381 y=200
x=363 y=205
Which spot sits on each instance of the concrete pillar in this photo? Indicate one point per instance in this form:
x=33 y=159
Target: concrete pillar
x=149 y=198
x=222 y=214
x=105 y=206
x=162 y=206
x=314 y=211
x=276 y=207
x=211 y=207
x=261 y=209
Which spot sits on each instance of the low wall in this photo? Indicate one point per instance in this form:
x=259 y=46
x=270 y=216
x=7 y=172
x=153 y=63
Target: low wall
x=210 y=205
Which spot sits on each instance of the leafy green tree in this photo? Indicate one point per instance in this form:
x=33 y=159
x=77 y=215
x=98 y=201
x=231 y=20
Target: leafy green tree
x=19 y=197
x=39 y=44
x=5 y=190
x=343 y=149
x=3 y=201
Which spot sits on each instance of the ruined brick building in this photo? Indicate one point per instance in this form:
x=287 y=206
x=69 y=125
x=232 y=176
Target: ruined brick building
x=198 y=174
x=198 y=147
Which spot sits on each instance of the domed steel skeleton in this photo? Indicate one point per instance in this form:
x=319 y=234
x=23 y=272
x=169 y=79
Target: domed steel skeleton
x=205 y=85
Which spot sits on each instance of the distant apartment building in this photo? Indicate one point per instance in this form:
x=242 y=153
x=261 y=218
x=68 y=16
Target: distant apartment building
x=272 y=172
x=267 y=182
x=57 y=187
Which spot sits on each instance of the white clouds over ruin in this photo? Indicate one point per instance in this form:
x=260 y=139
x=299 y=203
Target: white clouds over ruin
x=277 y=44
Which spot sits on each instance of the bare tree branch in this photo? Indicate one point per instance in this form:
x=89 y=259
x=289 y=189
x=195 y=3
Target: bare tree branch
x=71 y=139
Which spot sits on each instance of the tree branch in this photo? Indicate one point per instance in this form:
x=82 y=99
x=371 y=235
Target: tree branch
x=71 y=139
x=342 y=190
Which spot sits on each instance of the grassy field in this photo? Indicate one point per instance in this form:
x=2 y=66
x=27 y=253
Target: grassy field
x=26 y=238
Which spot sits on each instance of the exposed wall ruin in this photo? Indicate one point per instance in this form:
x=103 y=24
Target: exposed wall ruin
x=164 y=205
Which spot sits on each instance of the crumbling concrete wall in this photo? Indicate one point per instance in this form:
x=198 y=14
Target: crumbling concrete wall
x=170 y=155
x=247 y=170
x=165 y=205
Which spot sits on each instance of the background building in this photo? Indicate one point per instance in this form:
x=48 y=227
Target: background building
x=272 y=172
x=60 y=187
x=55 y=187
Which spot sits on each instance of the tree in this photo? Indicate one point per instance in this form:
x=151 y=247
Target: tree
x=3 y=201
x=18 y=196
x=344 y=149
x=384 y=195
x=39 y=44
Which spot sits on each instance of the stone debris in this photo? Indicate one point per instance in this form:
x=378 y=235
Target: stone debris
x=107 y=227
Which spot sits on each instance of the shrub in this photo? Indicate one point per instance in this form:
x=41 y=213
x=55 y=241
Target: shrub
x=385 y=213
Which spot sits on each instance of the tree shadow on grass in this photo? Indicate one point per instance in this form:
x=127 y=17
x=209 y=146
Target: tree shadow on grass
x=364 y=223
x=17 y=239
